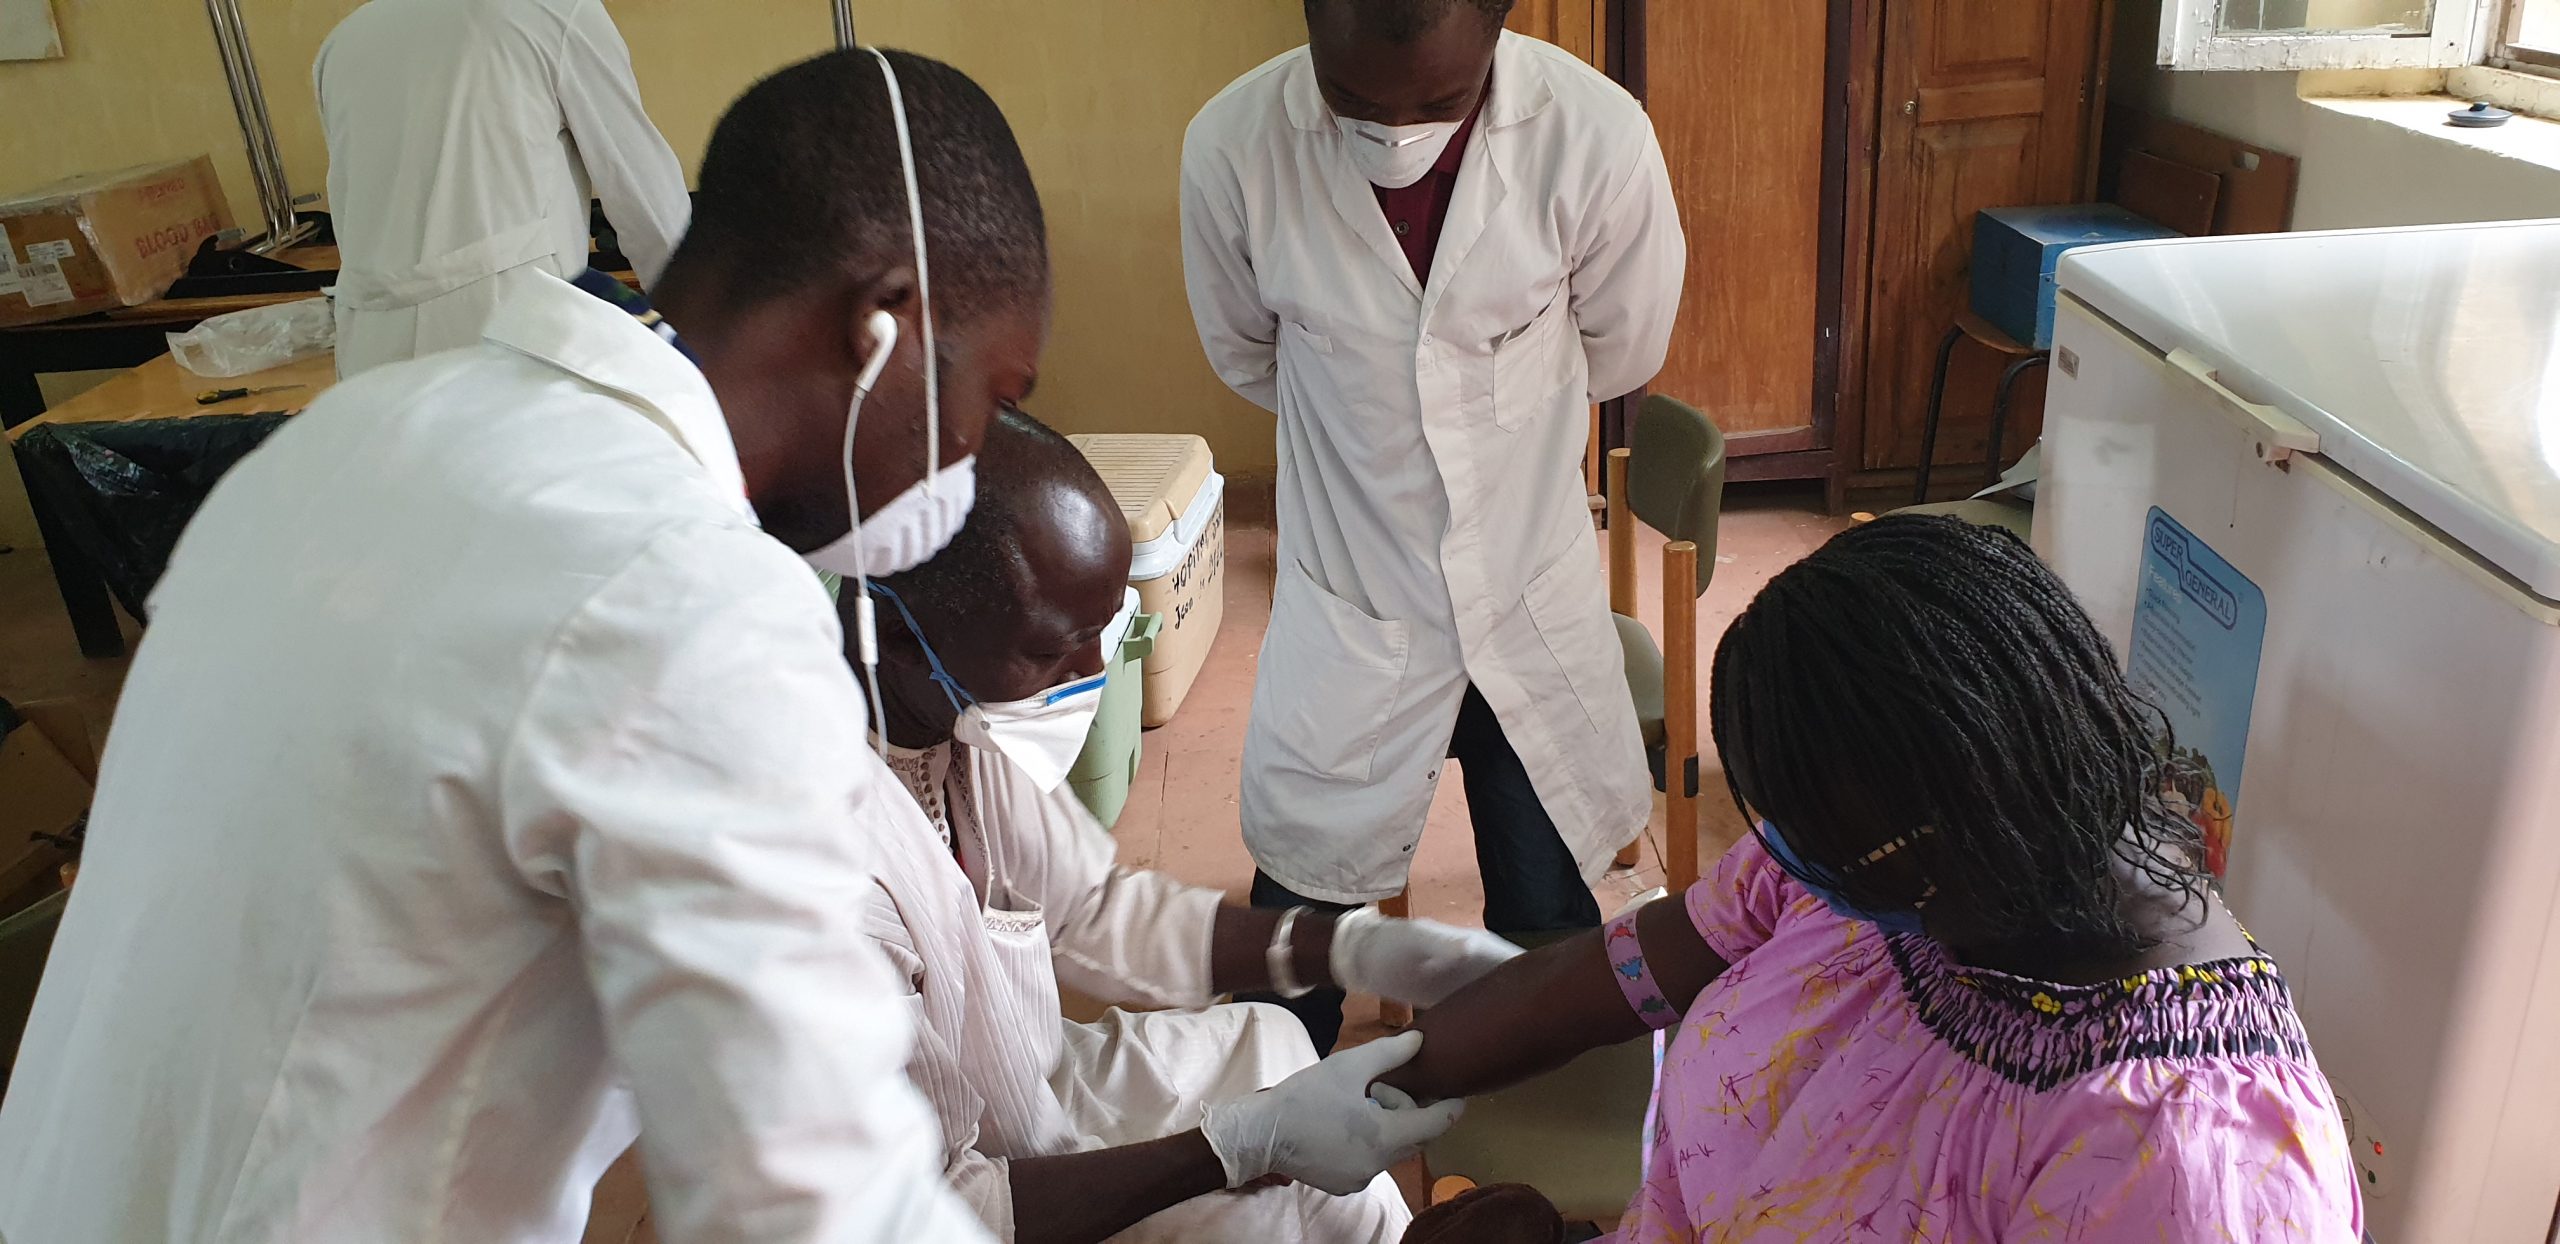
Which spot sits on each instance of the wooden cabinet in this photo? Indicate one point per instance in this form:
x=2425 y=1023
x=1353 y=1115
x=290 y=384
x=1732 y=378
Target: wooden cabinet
x=1738 y=94
x=1577 y=26
x=1829 y=157
x=1987 y=103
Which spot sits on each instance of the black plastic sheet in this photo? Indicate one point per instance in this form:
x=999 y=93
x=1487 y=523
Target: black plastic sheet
x=123 y=491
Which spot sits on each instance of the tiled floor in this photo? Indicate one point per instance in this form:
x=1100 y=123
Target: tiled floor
x=1182 y=815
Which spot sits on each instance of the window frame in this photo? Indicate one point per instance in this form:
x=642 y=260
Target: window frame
x=2523 y=57
x=2191 y=38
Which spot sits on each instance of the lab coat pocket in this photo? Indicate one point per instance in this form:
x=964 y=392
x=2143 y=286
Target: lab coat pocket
x=1293 y=333
x=1569 y=604
x=1328 y=681
x=1533 y=365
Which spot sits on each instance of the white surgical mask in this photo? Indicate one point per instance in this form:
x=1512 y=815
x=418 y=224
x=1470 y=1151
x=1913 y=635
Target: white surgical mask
x=917 y=523
x=1042 y=735
x=1395 y=156
x=907 y=532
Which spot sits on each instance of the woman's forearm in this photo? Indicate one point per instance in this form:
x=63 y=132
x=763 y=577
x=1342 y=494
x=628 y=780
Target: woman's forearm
x=1085 y=1198
x=1543 y=1009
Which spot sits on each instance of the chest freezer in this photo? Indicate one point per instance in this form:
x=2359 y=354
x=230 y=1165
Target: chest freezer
x=2309 y=485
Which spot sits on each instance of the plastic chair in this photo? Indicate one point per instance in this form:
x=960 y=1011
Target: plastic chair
x=1671 y=478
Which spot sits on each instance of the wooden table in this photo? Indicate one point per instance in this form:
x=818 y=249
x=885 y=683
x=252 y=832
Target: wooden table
x=123 y=337
x=158 y=389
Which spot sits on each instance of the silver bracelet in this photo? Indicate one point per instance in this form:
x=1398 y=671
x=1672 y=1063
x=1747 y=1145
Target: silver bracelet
x=1283 y=948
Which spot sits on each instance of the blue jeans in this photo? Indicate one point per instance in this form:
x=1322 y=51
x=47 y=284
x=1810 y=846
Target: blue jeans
x=1531 y=883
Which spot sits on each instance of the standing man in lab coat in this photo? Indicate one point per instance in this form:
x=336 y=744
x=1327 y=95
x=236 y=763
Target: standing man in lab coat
x=1066 y=1133
x=492 y=744
x=465 y=137
x=1427 y=245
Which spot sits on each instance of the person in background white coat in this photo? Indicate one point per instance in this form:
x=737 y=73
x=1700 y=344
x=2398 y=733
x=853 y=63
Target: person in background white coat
x=1427 y=245
x=492 y=745
x=465 y=138
x=1063 y=1132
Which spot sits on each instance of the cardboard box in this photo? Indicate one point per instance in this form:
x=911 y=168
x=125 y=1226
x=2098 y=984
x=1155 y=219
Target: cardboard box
x=44 y=788
x=104 y=240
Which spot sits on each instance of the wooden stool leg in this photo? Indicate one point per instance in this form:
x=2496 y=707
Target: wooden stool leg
x=1394 y=1014
x=2000 y=408
x=1937 y=406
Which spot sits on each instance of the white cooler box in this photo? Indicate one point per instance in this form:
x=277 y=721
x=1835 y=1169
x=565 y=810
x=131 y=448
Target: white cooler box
x=1176 y=505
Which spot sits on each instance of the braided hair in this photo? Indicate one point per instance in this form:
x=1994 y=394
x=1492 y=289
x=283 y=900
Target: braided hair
x=1927 y=673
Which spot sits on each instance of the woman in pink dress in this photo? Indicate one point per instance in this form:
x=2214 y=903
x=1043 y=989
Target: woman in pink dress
x=1967 y=981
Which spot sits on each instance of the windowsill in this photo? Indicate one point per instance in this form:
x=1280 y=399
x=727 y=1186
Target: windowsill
x=2529 y=137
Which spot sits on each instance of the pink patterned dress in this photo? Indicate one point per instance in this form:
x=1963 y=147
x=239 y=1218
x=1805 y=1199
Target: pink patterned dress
x=1841 y=1084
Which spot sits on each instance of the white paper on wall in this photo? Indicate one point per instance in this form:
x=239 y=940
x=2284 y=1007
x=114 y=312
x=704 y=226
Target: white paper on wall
x=27 y=31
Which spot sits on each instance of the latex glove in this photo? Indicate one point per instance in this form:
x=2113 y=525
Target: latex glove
x=1416 y=962
x=1326 y=1126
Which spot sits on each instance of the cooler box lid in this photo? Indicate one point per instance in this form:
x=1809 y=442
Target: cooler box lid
x=1166 y=488
x=2427 y=360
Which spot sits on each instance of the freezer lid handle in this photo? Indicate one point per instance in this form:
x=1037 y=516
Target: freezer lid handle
x=2279 y=435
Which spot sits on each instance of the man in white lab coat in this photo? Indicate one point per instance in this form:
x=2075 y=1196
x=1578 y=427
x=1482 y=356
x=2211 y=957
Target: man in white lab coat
x=492 y=744
x=464 y=139
x=1062 y=1132
x=1427 y=245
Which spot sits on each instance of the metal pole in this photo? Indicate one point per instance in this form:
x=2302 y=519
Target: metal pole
x=844 y=25
x=257 y=132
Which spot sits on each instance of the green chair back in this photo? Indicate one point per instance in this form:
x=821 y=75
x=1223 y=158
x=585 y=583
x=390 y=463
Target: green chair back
x=1675 y=476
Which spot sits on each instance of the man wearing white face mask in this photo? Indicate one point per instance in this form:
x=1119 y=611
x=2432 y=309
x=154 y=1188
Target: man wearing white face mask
x=1066 y=1133
x=1426 y=245
x=493 y=745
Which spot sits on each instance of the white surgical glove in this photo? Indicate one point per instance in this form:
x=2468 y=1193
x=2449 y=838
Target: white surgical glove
x=1416 y=962
x=1327 y=1126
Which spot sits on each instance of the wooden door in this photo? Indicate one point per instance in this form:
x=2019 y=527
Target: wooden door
x=1739 y=93
x=1985 y=103
x=1574 y=25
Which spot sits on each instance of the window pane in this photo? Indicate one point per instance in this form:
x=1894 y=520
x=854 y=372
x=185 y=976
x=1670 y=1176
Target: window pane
x=2272 y=17
x=2538 y=26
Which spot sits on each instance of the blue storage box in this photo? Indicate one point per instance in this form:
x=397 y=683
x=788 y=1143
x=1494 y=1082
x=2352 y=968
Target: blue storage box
x=2015 y=249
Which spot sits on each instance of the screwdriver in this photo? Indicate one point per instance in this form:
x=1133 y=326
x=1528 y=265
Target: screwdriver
x=211 y=396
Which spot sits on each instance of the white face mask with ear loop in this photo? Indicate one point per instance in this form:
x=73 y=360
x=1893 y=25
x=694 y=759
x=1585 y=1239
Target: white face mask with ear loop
x=1393 y=157
x=917 y=523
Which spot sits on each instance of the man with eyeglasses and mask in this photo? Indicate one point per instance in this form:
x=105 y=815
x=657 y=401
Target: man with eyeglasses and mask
x=991 y=659
x=493 y=744
x=1426 y=245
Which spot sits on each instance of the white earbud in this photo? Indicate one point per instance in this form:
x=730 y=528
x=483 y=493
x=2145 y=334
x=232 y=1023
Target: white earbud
x=884 y=337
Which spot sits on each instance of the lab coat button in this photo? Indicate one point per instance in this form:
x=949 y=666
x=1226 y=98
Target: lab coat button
x=1426 y=339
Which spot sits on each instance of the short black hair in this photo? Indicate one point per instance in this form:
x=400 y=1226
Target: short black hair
x=1403 y=21
x=982 y=566
x=802 y=179
x=1924 y=672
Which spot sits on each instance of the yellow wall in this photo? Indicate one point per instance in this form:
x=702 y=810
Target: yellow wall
x=1099 y=94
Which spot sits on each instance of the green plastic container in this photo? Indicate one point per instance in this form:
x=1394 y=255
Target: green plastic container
x=1109 y=764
